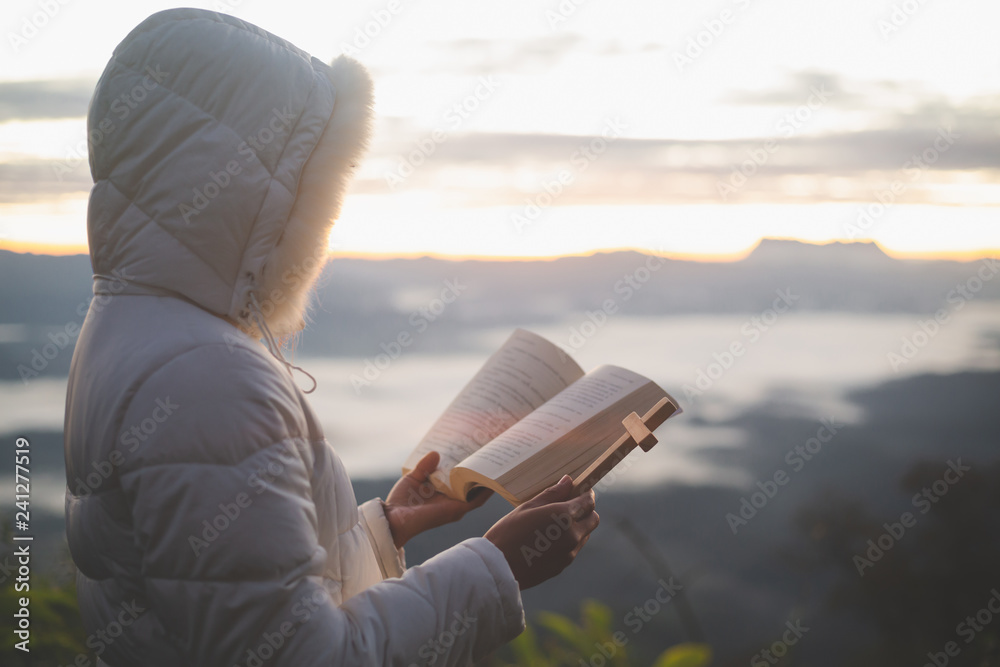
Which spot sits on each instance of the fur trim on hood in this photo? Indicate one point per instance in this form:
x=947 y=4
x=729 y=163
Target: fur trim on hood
x=221 y=155
x=297 y=258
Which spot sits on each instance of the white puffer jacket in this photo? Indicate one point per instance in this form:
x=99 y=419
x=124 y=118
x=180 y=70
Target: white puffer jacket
x=211 y=522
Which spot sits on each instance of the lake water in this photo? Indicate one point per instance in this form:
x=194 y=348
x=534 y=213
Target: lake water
x=802 y=364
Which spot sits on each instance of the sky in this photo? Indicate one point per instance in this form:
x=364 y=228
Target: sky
x=538 y=129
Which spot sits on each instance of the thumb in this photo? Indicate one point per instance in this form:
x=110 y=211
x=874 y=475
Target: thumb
x=425 y=467
x=561 y=490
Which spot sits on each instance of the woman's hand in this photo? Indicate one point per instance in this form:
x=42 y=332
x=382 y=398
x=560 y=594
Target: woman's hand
x=542 y=536
x=414 y=505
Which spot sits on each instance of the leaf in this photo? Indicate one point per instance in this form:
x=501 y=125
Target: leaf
x=567 y=630
x=525 y=648
x=685 y=655
x=597 y=619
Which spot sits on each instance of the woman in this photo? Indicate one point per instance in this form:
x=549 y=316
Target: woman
x=211 y=522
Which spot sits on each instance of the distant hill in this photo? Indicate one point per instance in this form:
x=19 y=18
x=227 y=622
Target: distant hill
x=789 y=252
x=362 y=300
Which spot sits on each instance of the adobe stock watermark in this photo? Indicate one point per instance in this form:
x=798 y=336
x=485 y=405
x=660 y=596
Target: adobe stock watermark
x=31 y=25
x=438 y=647
x=102 y=639
x=544 y=540
x=911 y=171
x=562 y=522
x=712 y=30
x=61 y=339
x=580 y=160
x=419 y=321
x=279 y=124
x=899 y=17
x=968 y=628
x=923 y=501
x=130 y=439
x=270 y=641
x=794 y=631
x=230 y=512
x=787 y=127
x=121 y=108
x=365 y=34
x=495 y=420
x=796 y=458
x=752 y=330
x=911 y=345
x=563 y=12
x=626 y=287
x=635 y=620
x=454 y=117
x=226 y=6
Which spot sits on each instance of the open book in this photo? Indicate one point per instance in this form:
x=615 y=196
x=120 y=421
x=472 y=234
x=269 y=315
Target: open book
x=528 y=417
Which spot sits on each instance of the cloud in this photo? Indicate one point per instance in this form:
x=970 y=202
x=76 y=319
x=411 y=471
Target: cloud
x=483 y=169
x=796 y=91
x=482 y=56
x=35 y=100
x=894 y=102
x=876 y=149
x=894 y=121
x=900 y=121
x=27 y=182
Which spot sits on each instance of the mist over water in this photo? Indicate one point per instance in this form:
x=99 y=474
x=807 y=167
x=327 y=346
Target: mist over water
x=801 y=365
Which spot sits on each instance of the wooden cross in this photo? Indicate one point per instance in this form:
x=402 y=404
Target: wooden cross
x=638 y=431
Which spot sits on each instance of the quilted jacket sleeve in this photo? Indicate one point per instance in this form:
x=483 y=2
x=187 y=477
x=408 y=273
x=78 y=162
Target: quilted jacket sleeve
x=391 y=560
x=223 y=496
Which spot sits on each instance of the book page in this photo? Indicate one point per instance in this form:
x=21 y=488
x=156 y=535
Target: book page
x=588 y=397
x=519 y=377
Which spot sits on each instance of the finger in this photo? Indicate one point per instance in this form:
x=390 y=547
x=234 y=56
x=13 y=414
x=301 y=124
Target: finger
x=576 y=551
x=590 y=522
x=581 y=506
x=425 y=466
x=479 y=497
x=561 y=490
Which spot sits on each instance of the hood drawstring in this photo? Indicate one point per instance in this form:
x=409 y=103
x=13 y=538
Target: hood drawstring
x=274 y=348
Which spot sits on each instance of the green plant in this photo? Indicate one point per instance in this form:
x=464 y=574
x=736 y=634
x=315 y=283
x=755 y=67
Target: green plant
x=57 y=635
x=593 y=642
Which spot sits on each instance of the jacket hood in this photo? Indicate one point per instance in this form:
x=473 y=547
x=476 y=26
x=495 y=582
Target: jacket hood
x=220 y=155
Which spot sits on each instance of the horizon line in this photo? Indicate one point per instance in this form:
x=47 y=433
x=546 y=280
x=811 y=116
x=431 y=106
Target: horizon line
x=65 y=250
